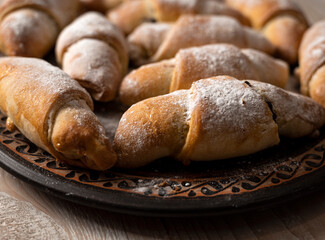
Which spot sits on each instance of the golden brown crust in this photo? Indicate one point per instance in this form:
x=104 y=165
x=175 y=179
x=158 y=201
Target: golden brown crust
x=296 y=115
x=22 y=38
x=151 y=139
x=10 y=125
x=281 y=21
x=311 y=56
x=96 y=66
x=93 y=25
x=148 y=81
x=78 y=135
x=170 y=11
x=145 y=41
x=223 y=59
x=130 y=14
x=34 y=93
x=286 y=33
x=208 y=30
x=18 y=103
x=93 y=51
x=62 y=11
x=227 y=120
x=260 y=12
x=196 y=63
x=22 y=22
x=217 y=118
x=317 y=86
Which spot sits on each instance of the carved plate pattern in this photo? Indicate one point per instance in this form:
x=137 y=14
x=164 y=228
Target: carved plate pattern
x=150 y=182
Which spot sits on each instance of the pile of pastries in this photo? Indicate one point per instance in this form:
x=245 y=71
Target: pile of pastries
x=207 y=82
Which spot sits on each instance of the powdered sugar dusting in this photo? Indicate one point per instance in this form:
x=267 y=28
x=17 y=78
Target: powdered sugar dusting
x=47 y=77
x=95 y=65
x=289 y=106
x=226 y=108
x=85 y=117
x=148 y=29
x=231 y=117
x=149 y=36
x=229 y=104
x=217 y=59
x=185 y=5
x=19 y=21
x=183 y=99
x=89 y=25
x=212 y=25
x=280 y=3
x=318 y=52
x=20 y=30
x=136 y=137
x=138 y=125
x=152 y=129
x=207 y=29
x=318 y=41
x=91 y=22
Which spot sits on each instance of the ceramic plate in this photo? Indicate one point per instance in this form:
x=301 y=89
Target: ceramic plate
x=166 y=187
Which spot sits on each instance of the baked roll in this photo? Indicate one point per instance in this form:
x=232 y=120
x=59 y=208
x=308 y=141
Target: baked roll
x=94 y=52
x=195 y=63
x=130 y=14
x=312 y=63
x=29 y=28
x=53 y=111
x=281 y=21
x=154 y=42
x=217 y=118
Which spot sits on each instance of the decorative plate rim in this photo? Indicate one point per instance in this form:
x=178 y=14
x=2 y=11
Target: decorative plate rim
x=125 y=202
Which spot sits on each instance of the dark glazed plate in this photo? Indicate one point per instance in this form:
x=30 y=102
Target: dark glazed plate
x=166 y=187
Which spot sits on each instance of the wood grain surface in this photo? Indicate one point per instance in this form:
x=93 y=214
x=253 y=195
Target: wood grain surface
x=26 y=213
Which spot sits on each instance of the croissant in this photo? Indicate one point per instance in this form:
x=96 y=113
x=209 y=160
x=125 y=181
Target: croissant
x=130 y=14
x=281 y=21
x=29 y=28
x=54 y=112
x=190 y=31
x=195 y=63
x=94 y=52
x=312 y=63
x=145 y=40
x=217 y=118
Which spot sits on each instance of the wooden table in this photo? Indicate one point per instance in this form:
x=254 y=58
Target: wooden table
x=26 y=213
